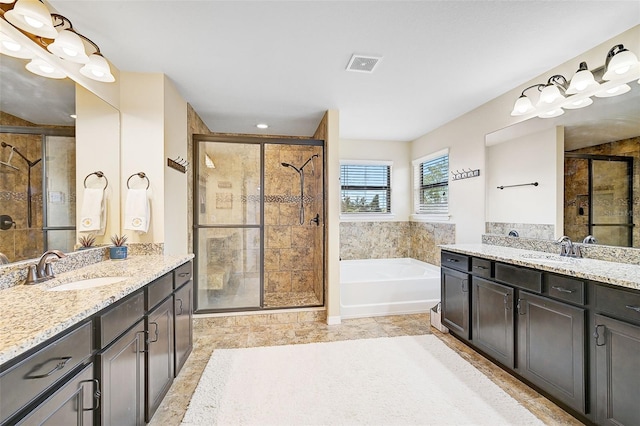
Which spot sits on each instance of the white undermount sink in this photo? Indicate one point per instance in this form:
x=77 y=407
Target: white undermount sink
x=88 y=283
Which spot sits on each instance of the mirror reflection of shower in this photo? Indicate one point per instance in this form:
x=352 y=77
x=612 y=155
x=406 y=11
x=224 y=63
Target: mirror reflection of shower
x=30 y=165
x=300 y=172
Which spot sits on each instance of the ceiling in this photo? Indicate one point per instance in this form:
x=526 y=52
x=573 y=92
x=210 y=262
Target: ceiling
x=239 y=63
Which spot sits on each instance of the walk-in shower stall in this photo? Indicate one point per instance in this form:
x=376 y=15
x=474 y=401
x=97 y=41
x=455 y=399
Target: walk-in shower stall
x=258 y=223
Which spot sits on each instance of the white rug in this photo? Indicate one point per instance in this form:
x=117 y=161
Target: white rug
x=409 y=380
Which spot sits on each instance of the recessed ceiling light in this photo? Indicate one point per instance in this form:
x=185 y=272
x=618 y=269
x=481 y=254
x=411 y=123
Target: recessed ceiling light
x=73 y=116
x=262 y=126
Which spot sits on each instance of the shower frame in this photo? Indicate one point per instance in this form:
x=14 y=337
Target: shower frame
x=43 y=132
x=262 y=141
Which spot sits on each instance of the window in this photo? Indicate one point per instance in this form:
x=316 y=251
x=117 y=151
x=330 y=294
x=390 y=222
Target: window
x=431 y=184
x=365 y=188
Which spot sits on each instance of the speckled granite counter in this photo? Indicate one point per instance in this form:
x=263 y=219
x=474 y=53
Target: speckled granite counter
x=30 y=314
x=620 y=274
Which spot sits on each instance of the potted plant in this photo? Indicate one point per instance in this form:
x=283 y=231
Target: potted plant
x=86 y=241
x=119 y=250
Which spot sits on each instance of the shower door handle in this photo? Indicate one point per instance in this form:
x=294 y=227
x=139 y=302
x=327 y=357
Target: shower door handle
x=316 y=220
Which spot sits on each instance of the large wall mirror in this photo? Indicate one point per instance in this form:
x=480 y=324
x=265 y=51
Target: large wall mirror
x=587 y=166
x=46 y=155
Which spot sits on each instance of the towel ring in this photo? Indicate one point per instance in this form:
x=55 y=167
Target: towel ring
x=141 y=175
x=100 y=175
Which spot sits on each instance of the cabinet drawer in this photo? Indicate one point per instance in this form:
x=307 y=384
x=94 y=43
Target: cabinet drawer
x=618 y=303
x=481 y=267
x=158 y=290
x=527 y=279
x=565 y=288
x=182 y=274
x=455 y=261
x=34 y=375
x=115 y=320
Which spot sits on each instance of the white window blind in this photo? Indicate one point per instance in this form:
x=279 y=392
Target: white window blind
x=365 y=188
x=431 y=185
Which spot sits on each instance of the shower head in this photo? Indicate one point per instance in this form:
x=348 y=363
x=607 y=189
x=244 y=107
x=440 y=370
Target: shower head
x=286 y=164
x=292 y=166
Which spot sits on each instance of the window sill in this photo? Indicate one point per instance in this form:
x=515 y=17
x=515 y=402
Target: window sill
x=429 y=218
x=382 y=217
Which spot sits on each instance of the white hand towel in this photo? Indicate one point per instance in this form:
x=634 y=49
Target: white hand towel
x=136 y=211
x=91 y=213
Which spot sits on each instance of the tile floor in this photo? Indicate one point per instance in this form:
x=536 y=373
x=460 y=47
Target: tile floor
x=309 y=327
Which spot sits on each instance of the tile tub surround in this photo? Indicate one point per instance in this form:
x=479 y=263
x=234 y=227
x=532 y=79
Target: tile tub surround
x=385 y=240
x=589 y=251
x=31 y=314
x=619 y=274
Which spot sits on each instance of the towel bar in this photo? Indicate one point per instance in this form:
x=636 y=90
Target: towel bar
x=141 y=175
x=100 y=175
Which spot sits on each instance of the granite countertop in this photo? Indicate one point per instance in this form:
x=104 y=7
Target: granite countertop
x=619 y=274
x=30 y=314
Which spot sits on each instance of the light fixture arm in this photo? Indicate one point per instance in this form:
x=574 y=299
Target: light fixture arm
x=559 y=80
x=64 y=20
x=537 y=86
x=613 y=52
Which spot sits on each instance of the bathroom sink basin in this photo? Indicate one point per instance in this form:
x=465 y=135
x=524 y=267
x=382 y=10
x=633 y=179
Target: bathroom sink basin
x=88 y=283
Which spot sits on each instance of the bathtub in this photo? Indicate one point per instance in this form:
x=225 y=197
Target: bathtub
x=375 y=287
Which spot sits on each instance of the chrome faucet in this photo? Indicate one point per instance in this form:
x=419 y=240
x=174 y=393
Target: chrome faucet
x=567 y=247
x=43 y=270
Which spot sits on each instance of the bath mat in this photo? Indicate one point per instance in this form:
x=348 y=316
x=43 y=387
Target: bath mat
x=408 y=380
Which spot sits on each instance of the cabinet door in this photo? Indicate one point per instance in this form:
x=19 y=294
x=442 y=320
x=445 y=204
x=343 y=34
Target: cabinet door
x=72 y=404
x=617 y=372
x=159 y=355
x=551 y=340
x=493 y=325
x=183 y=309
x=455 y=302
x=121 y=368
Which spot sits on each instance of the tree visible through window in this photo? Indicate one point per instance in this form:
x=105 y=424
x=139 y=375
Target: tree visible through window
x=432 y=185
x=365 y=188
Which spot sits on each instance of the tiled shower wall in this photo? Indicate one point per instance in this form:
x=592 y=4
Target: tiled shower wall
x=21 y=241
x=293 y=257
x=380 y=240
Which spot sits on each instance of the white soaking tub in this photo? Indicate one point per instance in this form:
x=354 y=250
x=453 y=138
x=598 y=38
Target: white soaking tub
x=376 y=287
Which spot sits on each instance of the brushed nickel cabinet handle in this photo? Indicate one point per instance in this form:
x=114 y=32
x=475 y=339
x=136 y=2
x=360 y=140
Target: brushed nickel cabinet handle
x=59 y=366
x=563 y=290
x=156 y=332
x=597 y=335
x=96 y=394
x=633 y=308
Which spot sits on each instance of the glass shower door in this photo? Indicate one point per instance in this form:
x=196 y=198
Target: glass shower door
x=611 y=198
x=60 y=192
x=228 y=226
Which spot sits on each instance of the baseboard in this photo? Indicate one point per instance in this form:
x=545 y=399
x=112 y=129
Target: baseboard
x=336 y=320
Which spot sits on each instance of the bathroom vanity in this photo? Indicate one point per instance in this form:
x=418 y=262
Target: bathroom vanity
x=104 y=355
x=568 y=326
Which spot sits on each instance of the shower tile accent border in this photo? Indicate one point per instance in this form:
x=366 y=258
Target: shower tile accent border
x=589 y=251
x=15 y=273
x=540 y=231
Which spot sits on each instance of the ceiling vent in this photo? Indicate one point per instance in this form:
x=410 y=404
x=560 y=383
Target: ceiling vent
x=362 y=63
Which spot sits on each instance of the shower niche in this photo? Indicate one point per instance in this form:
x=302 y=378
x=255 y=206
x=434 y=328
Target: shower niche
x=259 y=222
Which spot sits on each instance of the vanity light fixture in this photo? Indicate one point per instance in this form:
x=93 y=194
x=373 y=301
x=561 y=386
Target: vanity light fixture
x=10 y=47
x=64 y=41
x=619 y=64
x=33 y=17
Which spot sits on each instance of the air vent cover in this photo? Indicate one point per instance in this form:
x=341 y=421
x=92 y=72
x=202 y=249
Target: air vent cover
x=362 y=63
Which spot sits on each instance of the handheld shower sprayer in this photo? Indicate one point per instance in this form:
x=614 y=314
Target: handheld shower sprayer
x=301 y=174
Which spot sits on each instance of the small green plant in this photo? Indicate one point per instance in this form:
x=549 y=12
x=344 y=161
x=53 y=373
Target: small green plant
x=87 y=241
x=118 y=240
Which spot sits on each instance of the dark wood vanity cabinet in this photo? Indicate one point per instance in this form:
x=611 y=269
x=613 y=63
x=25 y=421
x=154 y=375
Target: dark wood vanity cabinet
x=493 y=320
x=616 y=344
x=551 y=347
x=183 y=330
x=455 y=288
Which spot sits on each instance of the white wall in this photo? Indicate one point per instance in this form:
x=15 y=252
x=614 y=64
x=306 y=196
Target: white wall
x=527 y=159
x=98 y=149
x=398 y=153
x=142 y=145
x=465 y=136
x=175 y=188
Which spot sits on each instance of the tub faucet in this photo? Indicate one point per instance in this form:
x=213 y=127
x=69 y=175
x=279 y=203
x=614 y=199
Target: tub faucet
x=43 y=270
x=567 y=247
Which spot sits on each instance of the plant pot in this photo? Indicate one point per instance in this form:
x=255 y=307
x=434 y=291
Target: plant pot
x=118 y=252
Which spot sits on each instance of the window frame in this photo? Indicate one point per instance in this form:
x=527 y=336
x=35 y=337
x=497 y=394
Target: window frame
x=363 y=214
x=418 y=187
